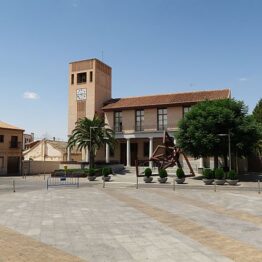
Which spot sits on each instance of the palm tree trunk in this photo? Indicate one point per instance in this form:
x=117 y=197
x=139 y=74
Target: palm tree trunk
x=91 y=159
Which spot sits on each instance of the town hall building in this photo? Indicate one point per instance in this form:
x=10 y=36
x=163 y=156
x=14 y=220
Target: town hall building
x=138 y=122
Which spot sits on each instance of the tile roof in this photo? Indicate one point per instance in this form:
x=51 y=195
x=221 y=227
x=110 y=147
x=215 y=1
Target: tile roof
x=166 y=99
x=8 y=126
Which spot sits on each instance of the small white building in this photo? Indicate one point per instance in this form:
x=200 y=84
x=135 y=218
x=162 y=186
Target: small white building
x=49 y=150
x=27 y=139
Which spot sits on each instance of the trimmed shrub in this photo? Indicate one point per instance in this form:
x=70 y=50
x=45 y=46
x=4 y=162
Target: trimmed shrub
x=180 y=173
x=148 y=172
x=106 y=171
x=208 y=173
x=232 y=175
x=219 y=174
x=162 y=173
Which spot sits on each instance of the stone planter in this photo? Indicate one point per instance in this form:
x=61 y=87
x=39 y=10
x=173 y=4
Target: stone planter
x=91 y=178
x=162 y=180
x=106 y=178
x=232 y=182
x=208 y=181
x=148 y=179
x=180 y=180
x=220 y=181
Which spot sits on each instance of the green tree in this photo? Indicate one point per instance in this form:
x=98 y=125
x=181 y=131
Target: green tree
x=200 y=131
x=91 y=135
x=257 y=112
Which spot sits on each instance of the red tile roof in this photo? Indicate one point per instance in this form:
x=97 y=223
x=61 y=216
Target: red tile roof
x=166 y=99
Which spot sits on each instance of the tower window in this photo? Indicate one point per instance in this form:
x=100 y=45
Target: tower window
x=72 y=79
x=81 y=78
x=1 y=138
x=91 y=76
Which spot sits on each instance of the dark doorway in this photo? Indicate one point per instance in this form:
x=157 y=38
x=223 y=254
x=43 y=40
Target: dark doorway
x=13 y=164
x=123 y=153
x=133 y=154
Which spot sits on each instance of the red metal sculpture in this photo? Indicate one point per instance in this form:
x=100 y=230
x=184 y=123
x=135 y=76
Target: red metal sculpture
x=167 y=155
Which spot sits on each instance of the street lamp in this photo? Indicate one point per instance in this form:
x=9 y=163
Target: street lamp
x=229 y=147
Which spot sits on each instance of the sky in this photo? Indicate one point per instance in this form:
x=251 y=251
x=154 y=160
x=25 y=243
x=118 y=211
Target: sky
x=153 y=47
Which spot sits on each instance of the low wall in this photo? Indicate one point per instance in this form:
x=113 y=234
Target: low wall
x=39 y=167
x=115 y=167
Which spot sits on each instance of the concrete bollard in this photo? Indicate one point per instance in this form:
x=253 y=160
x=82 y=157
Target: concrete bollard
x=104 y=183
x=13 y=185
x=215 y=187
x=259 y=188
x=174 y=184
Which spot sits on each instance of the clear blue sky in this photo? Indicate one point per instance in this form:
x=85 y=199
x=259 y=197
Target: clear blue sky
x=153 y=46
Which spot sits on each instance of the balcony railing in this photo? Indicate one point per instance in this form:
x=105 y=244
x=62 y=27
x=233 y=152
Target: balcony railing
x=142 y=128
x=15 y=145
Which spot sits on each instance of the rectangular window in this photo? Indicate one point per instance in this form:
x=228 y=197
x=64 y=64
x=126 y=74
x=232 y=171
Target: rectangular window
x=118 y=121
x=1 y=138
x=72 y=79
x=186 y=109
x=161 y=118
x=139 y=120
x=14 y=142
x=81 y=78
x=91 y=76
x=146 y=149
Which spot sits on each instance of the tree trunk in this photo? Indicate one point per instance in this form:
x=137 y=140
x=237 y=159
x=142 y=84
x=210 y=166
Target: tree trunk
x=225 y=163
x=215 y=161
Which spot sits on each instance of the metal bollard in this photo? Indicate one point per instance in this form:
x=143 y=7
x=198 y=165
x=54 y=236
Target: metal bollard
x=13 y=185
x=174 y=184
x=104 y=183
x=259 y=189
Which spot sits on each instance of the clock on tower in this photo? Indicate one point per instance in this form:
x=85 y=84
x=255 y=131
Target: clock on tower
x=81 y=94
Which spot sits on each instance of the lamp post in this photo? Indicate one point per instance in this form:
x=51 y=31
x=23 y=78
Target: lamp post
x=229 y=148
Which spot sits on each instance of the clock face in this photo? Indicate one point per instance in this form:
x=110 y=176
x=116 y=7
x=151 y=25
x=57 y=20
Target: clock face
x=81 y=94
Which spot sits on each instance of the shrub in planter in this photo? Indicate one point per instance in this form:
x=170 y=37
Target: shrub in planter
x=232 y=178
x=162 y=176
x=148 y=175
x=208 y=176
x=148 y=172
x=91 y=174
x=220 y=176
x=180 y=176
x=106 y=171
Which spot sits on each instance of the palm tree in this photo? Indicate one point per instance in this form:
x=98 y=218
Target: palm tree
x=91 y=135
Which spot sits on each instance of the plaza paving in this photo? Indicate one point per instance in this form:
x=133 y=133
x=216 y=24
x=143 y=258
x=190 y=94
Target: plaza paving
x=121 y=223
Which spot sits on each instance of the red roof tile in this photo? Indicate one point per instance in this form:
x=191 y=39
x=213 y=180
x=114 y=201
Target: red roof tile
x=166 y=99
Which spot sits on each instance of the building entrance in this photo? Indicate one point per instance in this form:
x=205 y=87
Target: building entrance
x=13 y=164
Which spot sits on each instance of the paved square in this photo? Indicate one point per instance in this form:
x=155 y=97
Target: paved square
x=121 y=223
